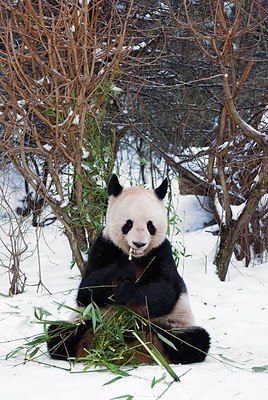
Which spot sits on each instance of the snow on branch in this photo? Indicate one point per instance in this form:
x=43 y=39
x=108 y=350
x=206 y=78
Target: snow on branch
x=248 y=130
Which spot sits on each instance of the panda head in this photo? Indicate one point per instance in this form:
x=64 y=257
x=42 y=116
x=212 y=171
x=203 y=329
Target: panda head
x=136 y=217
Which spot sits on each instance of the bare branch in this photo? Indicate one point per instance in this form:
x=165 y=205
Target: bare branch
x=252 y=133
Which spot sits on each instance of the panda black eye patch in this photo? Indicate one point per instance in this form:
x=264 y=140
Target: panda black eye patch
x=127 y=227
x=151 y=228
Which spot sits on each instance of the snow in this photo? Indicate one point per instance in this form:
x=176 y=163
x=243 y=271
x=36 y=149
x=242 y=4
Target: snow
x=85 y=153
x=47 y=147
x=237 y=210
x=116 y=89
x=141 y=45
x=75 y=120
x=235 y=313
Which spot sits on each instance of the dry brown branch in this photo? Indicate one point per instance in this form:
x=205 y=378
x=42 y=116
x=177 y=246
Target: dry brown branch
x=228 y=36
x=56 y=60
x=247 y=129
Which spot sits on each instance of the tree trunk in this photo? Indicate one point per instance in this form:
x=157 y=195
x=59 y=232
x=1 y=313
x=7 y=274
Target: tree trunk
x=230 y=233
x=77 y=255
x=225 y=251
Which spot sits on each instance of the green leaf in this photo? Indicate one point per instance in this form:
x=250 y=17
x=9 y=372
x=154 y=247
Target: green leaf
x=40 y=312
x=4 y=295
x=33 y=353
x=115 y=369
x=14 y=353
x=45 y=328
x=93 y=319
x=119 y=334
x=165 y=340
x=39 y=339
x=226 y=359
x=92 y=312
x=262 y=368
x=125 y=397
x=162 y=362
x=87 y=310
x=156 y=381
x=158 y=358
x=113 y=380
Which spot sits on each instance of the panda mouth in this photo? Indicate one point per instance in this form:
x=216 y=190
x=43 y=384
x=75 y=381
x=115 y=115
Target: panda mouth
x=135 y=252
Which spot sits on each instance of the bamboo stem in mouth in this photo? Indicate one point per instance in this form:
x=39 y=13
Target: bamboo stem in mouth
x=130 y=254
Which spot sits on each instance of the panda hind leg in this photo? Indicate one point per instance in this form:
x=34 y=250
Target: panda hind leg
x=192 y=344
x=69 y=341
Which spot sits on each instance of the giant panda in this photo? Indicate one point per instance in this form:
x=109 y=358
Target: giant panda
x=146 y=282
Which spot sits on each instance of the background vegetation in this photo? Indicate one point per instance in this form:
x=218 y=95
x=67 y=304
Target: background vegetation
x=180 y=86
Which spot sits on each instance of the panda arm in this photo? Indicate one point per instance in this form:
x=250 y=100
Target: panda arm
x=155 y=298
x=106 y=268
x=160 y=289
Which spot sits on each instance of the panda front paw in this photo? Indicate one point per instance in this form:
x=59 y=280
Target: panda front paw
x=124 y=271
x=128 y=294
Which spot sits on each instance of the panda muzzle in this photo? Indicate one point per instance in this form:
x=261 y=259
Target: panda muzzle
x=138 y=249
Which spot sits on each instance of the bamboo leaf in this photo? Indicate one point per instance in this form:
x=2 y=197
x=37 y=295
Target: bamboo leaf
x=13 y=353
x=262 y=368
x=4 y=295
x=227 y=359
x=165 y=340
x=78 y=310
x=115 y=369
x=40 y=312
x=36 y=341
x=158 y=358
x=162 y=362
x=113 y=380
x=87 y=310
x=93 y=319
x=45 y=327
x=33 y=353
x=156 y=381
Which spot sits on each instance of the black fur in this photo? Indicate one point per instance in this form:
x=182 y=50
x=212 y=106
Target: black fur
x=127 y=227
x=192 y=344
x=63 y=340
x=151 y=228
x=110 y=276
x=114 y=188
x=150 y=282
x=161 y=191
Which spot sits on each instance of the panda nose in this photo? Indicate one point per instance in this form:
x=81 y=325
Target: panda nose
x=138 y=245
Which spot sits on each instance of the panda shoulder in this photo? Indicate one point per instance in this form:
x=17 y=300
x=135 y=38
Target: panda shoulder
x=101 y=243
x=98 y=245
x=103 y=250
x=164 y=250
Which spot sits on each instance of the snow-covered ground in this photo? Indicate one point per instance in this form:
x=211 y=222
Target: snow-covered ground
x=235 y=313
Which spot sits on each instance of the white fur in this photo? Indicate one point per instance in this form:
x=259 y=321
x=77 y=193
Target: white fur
x=139 y=205
x=180 y=316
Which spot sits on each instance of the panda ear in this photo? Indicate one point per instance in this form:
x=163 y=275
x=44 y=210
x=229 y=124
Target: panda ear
x=114 y=188
x=161 y=191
